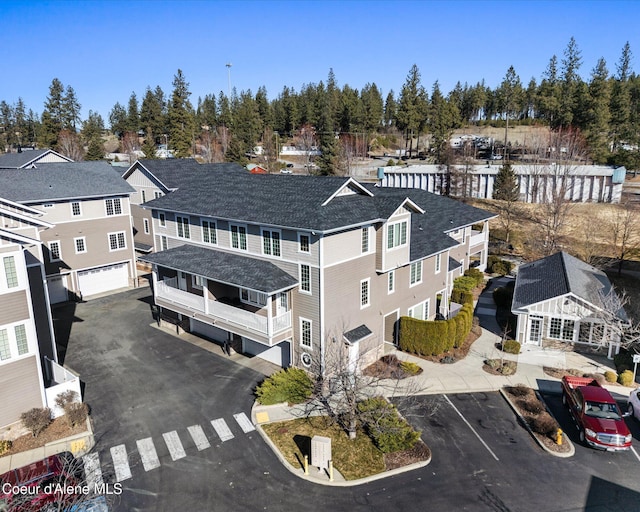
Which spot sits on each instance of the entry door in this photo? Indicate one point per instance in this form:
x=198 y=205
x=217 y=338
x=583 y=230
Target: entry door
x=535 y=331
x=390 y=327
x=182 y=281
x=282 y=304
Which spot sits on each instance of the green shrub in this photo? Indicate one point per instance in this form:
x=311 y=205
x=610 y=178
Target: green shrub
x=410 y=368
x=464 y=283
x=291 y=385
x=476 y=274
x=496 y=265
x=511 y=347
x=5 y=446
x=389 y=432
x=611 y=376
x=36 y=420
x=461 y=296
x=626 y=378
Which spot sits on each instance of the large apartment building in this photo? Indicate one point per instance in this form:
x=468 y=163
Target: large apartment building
x=90 y=248
x=30 y=375
x=281 y=267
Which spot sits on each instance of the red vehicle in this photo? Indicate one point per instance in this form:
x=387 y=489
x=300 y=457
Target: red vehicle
x=596 y=413
x=27 y=488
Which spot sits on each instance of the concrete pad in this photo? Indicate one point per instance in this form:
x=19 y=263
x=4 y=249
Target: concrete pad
x=25 y=458
x=5 y=464
x=552 y=358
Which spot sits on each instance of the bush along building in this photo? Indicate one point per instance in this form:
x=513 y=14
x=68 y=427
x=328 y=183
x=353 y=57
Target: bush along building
x=284 y=267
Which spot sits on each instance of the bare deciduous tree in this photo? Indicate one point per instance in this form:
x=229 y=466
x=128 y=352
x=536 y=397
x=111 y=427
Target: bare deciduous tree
x=270 y=150
x=130 y=144
x=623 y=229
x=307 y=141
x=69 y=145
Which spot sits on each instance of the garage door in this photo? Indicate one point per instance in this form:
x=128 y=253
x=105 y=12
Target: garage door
x=278 y=354
x=57 y=287
x=209 y=331
x=103 y=279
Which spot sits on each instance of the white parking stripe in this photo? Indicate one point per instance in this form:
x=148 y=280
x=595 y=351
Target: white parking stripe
x=120 y=462
x=469 y=425
x=244 y=422
x=147 y=451
x=175 y=446
x=199 y=437
x=635 y=453
x=92 y=471
x=221 y=428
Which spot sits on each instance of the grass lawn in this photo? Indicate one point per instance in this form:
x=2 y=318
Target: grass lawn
x=354 y=459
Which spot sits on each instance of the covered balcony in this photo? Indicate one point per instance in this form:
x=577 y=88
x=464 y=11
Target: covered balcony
x=246 y=296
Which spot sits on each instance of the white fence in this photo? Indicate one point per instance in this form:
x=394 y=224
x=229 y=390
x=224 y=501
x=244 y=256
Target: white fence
x=61 y=380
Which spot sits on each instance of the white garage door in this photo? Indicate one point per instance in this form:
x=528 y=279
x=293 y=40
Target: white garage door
x=103 y=279
x=211 y=332
x=57 y=287
x=278 y=354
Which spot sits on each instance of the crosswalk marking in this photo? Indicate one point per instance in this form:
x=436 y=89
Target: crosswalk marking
x=244 y=422
x=199 y=437
x=120 y=463
x=175 y=446
x=147 y=451
x=92 y=471
x=221 y=428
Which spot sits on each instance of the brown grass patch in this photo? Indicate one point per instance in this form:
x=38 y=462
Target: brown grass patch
x=420 y=452
x=58 y=429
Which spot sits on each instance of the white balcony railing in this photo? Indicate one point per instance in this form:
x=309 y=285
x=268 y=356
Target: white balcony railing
x=224 y=312
x=478 y=238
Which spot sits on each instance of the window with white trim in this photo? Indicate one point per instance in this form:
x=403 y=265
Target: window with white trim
x=253 y=297
x=396 y=234
x=164 y=243
x=555 y=328
x=157 y=194
x=162 y=220
x=80 y=244
x=5 y=350
x=304 y=243
x=568 y=329
x=113 y=206
x=197 y=281
x=10 y=273
x=391 y=281
x=364 y=293
x=305 y=332
x=117 y=241
x=271 y=242
x=238 y=237
x=55 y=253
x=144 y=196
x=416 y=273
x=305 y=278
x=419 y=311
x=438 y=262
x=146 y=225
x=209 y=235
x=183 y=229
x=75 y=209
x=365 y=240
x=21 y=339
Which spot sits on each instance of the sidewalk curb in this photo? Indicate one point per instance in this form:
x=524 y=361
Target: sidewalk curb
x=312 y=479
x=565 y=438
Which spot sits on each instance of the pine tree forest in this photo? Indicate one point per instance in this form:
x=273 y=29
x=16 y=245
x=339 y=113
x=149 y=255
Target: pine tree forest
x=346 y=123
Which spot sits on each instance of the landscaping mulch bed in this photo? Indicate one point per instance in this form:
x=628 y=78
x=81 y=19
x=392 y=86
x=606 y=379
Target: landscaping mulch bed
x=420 y=452
x=558 y=373
x=388 y=367
x=58 y=429
x=505 y=368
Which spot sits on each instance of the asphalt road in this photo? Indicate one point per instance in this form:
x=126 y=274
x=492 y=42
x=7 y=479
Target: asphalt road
x=142 y=383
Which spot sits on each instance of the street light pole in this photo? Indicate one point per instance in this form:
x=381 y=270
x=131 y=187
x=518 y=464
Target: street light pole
x=228 y=64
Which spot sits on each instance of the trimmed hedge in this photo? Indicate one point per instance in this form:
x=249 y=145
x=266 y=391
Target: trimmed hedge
x=476 y=274
x=626 y=378
x=511 y=347
x=496 y=265
x=291 y=385
x=464 y=283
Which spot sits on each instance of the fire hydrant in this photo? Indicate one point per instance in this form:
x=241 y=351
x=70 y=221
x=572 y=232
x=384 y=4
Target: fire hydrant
x=559 y=437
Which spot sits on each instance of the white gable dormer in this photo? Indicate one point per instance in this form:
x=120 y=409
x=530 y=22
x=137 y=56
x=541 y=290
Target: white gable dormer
x=348 y=188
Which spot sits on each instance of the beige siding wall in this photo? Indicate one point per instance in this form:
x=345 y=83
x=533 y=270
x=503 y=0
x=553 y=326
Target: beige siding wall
x=96 y=237
x=20 y=389
x=137 y=216
x=345 y=245
x=138 y=180
x=14 y=307
x=59 y=213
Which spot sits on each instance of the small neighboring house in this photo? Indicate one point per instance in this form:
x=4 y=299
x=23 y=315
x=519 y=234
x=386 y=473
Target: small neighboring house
x=30 y=375
x=583 y=183
x=287 y=268
x=90 y=248
x=562 y=298
x=26 y=159
x=153 y=178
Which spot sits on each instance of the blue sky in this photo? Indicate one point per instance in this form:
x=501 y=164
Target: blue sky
x=108 y=49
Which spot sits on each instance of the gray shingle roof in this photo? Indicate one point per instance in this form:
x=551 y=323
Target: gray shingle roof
x=225 y=267
x=174 y=172
x=357 y=334
x=19 y=160
x=561 y=274
x=62 y=181
x=453 y=264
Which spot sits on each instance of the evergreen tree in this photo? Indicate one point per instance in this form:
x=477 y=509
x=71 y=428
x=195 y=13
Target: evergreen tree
x=92 y=130
x=598 y=114
x=181 y=118
x=372 y=108
x=548 y=102
x=570 y=78
x=95 y=150
x=390 y=110
x=330 y=150
x=118 y=120
x=442 y=119
x=52 y=116
x=264 y=107
x=412 y=107
x=133 y=116
x=620 y=107
x=506 y=187
x=71 y=110
x=149 y=148
x=152 y=118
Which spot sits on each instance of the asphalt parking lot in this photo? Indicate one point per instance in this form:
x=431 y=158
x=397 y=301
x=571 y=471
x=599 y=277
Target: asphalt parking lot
x=148 y=390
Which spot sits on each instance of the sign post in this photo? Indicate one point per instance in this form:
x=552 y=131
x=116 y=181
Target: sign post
x=636 y=360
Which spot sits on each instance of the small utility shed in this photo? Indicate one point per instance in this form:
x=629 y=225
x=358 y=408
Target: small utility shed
x=562 y=298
